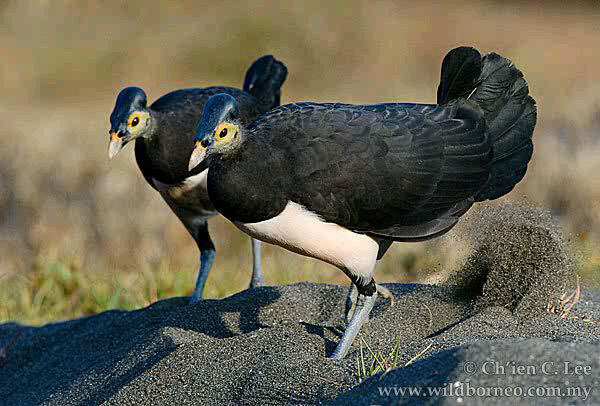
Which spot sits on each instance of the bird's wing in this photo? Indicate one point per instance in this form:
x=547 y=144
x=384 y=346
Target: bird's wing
x=191 y=102
x=370 y=168
x=184 y=99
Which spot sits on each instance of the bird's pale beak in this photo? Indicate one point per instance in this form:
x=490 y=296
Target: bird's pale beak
x=198 y=155
x=115 y=145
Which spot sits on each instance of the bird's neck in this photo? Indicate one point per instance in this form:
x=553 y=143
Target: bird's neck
x=164 y=151
x=150 y=133
x=234 y=148
x=245 y=185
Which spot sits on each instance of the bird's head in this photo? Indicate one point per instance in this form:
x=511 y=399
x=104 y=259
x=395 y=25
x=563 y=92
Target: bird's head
x=219 y=130
x=129 y=120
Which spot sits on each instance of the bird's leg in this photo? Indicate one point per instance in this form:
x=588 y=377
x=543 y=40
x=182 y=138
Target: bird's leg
x=257 y=276
x=385 y=293
x=207 y=257
x=351 y=299
x=367 y=295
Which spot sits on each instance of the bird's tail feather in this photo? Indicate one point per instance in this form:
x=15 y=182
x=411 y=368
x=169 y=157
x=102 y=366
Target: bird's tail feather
x=498 y=87
x=264 y=79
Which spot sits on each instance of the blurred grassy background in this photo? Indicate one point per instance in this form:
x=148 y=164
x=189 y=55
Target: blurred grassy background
x=79 y=235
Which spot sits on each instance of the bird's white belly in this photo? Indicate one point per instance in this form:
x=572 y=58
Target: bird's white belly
x=188 y=199
x=304 y=232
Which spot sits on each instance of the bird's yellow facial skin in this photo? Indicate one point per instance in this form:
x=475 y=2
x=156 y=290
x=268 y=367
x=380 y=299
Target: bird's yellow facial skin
x=225 y=133
x=224 y=140
x=138 y=121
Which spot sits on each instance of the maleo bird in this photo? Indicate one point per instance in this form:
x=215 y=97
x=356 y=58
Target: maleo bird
x=164 y=134
x=341 y=182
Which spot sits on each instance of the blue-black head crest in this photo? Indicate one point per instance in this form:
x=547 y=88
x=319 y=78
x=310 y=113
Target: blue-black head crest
x=129 y=100
x=218 y=109
x=223 y=106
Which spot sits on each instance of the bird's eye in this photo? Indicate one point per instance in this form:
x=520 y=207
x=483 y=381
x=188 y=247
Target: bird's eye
x=135 y=121
x=223 y=133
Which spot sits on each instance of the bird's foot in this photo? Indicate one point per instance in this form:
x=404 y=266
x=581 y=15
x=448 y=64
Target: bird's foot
x=385 y=293
x=257 y=281
x=194 y=299
x=353 y=296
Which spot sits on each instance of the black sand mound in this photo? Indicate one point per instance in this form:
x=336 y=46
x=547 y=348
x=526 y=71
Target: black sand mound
x=268 y=346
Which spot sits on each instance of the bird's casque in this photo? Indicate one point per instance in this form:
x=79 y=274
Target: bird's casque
x=340 y=182
x=164 y=133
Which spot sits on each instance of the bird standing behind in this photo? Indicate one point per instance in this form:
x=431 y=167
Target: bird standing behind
x=341 y=182
x=164 y=134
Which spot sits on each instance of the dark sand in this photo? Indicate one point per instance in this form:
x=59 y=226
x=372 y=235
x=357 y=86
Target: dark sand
x=268 y=346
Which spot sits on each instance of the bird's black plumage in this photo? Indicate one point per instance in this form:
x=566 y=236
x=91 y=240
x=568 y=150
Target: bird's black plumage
x=164 y=145
x=498 y=87
x=397 y=171
x=266 y=88
x=366 y=168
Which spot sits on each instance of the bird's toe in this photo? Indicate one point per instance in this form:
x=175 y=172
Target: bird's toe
x=385 y=293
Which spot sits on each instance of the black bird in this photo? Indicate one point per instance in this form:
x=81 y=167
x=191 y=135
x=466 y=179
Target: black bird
x=164 y=134
x=341 y=182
